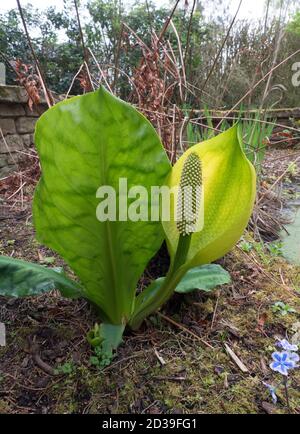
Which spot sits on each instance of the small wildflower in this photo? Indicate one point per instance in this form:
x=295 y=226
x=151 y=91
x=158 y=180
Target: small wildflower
x=285 y=345
x=282 y=362
x=294 y=358
x=272 y=391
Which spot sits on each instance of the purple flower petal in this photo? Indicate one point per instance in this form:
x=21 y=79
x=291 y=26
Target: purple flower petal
x=272 y=391
x=294 y=357
x=284 y=343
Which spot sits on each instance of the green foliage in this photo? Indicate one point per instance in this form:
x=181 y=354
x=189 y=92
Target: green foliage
x=95 y=140
x=67 y=368
x=275 y=248
x=56 y=41
x=79 y=153
x=59 y=57
x=20 y=279
x=293 y=25
x=226 y=212
x=255 y=134
x=203 y=278
x=292 y=169
x=246 y=246
x=282 y=308
x=104 y=339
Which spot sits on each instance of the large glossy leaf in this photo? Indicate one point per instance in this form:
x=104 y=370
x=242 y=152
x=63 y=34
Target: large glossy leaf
x=84 y=143
x=229 y=186
x=21 y=279
x=204 y=278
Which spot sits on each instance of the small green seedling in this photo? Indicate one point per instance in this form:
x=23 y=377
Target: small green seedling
x=67 y=368
x=246 y=246
x=282 y=308
x=275 y=248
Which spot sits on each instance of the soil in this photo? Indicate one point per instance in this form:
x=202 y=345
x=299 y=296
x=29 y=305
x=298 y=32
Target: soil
x=178 y=362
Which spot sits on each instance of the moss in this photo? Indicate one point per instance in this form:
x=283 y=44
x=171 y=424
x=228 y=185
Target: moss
x=4 y=406
x=4 y=92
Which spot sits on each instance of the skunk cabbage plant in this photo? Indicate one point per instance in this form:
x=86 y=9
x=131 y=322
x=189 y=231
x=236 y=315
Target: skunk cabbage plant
x=94 y=141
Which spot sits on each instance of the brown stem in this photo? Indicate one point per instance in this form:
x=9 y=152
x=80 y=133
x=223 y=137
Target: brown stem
x=48 y=95
x=85 y=52
x=287 y=395
x=117 y=58
x=189 y=32
x=221 y=49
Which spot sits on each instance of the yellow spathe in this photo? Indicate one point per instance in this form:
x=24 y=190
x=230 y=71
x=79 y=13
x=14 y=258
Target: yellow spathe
x=229 y=188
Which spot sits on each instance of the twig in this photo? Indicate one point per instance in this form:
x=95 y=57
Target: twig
x=117 y=58
x=215 y=311
x=221 y=48
x=257 y=84
x=287 y=127
x=160 y=358
x=73 y=81
x=34 y=351
x=182 y=327
x=181 y=60
x=85 y=52
x=236 y=359
x=215 y=61
x=189 y=31
x=286 y=392
x=100 y=70
x=47 y=93
x=167 y=23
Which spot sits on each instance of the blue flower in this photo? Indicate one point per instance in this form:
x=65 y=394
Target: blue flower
x=272 y=390
x=284 y=343
x=282 y=362
x=294 y=358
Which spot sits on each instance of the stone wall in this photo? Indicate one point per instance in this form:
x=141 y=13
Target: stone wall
x=17 y=123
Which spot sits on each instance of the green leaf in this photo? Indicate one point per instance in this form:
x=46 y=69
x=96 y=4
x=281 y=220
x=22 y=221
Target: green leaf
x=205 y=278
x=21 y=279
x=84 y=143
x=105 y=339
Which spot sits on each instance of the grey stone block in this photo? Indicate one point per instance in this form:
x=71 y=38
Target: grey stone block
x=25 y=125
x=14 y=143
x=27 y=140
x=36 y=111
x=8 y=126
x=13 y=94
x=11 y=110
x=15 y=158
